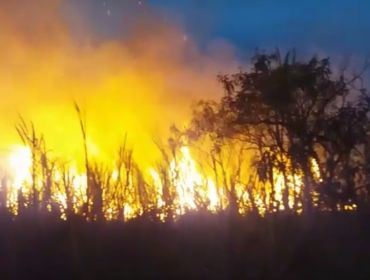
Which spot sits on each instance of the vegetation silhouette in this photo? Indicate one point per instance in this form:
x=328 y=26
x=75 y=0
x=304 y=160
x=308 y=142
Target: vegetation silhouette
x=292 y=113
x=282 y=119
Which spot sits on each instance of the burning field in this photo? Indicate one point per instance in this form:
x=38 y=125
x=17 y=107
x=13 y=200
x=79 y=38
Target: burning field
x=136 y=141
x=112 y=129
x=130 y=90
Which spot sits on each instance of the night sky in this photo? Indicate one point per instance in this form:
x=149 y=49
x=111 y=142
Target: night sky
x=330 y=27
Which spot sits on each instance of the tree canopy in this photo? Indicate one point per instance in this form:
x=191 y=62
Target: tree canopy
x=297 y=115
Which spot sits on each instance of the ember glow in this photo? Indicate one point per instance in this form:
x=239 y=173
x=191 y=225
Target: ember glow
x=132 y=88
x=193 y=189
x=20 y=162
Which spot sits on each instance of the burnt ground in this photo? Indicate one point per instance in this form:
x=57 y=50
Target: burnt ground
x=198 y=246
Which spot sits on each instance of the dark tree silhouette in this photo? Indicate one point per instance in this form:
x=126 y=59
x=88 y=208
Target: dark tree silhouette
x=294 y=113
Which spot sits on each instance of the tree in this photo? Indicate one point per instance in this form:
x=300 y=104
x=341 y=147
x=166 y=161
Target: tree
x=297 y=115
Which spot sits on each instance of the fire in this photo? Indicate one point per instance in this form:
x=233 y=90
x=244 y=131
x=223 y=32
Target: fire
x=140 y=85
x=20 y=162
x=194 y=189
x=132 y=84
x=190 y=184
x=186 y=179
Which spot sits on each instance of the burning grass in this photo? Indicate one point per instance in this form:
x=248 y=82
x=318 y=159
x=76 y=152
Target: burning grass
x=210 y=180
x=246 y=153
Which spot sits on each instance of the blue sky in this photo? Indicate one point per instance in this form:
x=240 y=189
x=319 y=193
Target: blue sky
x=340 y=26
x=328 y=26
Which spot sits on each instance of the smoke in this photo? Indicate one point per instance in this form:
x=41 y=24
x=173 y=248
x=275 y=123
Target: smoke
x=138 y=84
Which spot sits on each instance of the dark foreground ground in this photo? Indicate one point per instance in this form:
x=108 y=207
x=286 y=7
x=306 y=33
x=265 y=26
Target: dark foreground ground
x=199 y=246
